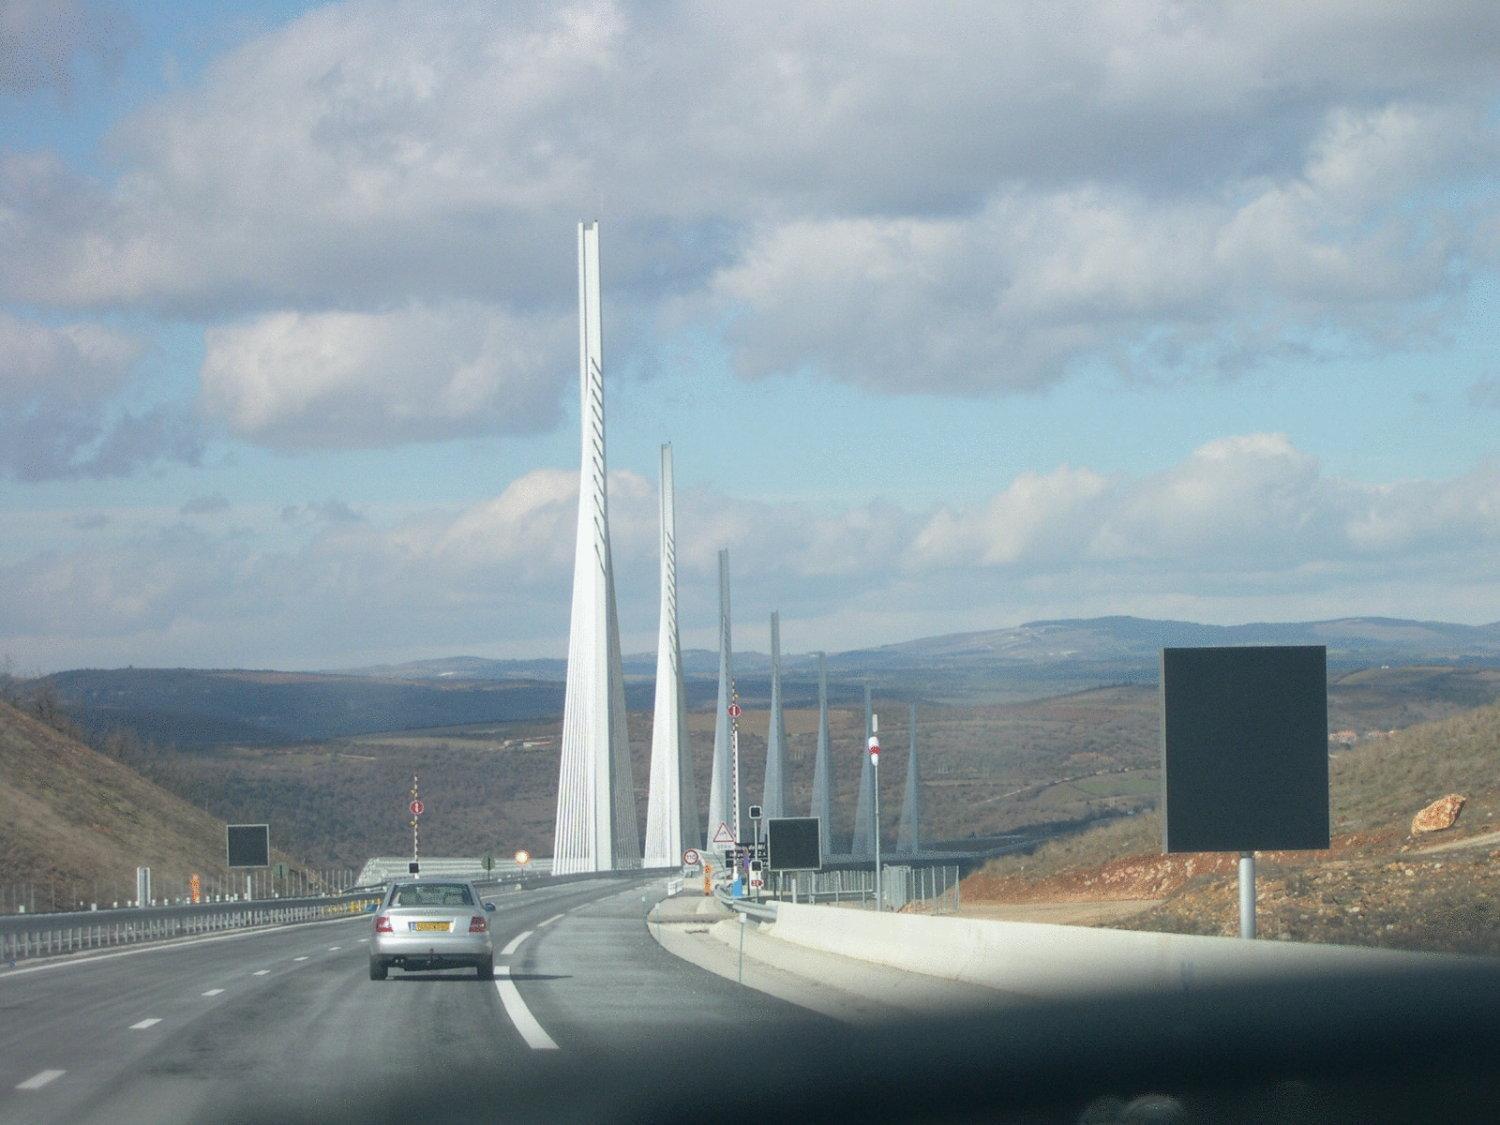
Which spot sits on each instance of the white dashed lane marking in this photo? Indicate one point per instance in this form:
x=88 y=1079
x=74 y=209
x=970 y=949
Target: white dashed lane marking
x=299 y=958
x=213 y=992
x=334 y=948
x=144 y=1024
x=549 y=921
x=515 y=943
x=261 y=972
x=40 y=1079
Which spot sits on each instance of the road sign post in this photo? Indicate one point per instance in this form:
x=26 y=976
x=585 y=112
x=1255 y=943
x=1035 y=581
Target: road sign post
x=875 y=763
x=750 y=881
x=416 y=808
x=1247 y=894
x=734 y=753
x=1245 y=754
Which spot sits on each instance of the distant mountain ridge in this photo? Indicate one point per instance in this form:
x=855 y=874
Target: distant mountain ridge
x=1080 y=641
x=207 y=707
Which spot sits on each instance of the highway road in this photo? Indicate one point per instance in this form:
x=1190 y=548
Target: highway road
x=288 y=1021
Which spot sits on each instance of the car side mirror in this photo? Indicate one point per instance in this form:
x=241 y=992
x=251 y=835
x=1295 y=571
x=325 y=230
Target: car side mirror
x=490 y=906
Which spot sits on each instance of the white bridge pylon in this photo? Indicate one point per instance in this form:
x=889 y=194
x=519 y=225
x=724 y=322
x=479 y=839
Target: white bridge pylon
x=596 y=828
x=672 y=800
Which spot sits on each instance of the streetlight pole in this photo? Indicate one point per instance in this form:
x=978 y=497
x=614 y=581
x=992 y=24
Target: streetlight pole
x=875 y=763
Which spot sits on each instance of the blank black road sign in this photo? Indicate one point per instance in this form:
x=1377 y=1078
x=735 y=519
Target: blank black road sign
x=792 y=844
x=248 y=845
x=1245 y=748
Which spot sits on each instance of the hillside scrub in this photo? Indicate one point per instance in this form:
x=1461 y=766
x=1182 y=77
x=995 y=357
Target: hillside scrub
x=1376 y=885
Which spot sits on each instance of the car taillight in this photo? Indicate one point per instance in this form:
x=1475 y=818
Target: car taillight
x=477 y=924
x=383 y=925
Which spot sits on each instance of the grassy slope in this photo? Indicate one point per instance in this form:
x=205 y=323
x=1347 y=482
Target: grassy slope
x=74 y=823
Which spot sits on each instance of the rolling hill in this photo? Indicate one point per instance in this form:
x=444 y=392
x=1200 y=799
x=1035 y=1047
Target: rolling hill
x=75 y=824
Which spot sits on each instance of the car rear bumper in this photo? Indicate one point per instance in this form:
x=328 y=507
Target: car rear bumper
x=427 y=951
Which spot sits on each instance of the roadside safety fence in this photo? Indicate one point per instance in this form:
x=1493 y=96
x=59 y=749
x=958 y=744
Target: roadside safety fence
x=916 y=890
x=24 y=936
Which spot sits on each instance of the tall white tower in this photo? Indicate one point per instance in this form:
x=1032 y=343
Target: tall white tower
x=863 y=844
x=722 y=788
x=672 y=803
x=909 y=831
x=773 y=798
x=822 y=790
x=596 y=826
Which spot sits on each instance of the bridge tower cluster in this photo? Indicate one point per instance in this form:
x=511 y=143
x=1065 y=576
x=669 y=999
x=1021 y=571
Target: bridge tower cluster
x=596 y=827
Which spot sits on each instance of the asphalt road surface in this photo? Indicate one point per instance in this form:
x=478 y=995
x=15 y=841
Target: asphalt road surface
x=232 y=1026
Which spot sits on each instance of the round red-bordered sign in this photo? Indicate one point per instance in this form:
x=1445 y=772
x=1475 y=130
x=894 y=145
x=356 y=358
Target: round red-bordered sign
x=417 y=808
x=734 y=711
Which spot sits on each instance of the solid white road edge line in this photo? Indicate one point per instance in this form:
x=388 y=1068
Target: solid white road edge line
x=145 y=1024
x=40 y=1079
x=520 y=1015
x=515 y=943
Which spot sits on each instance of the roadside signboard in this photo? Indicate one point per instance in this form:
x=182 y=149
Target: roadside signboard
x=247 y=845
x=691 y=857
x=734 y=711
x=417 y=808
x=723 y=835
x=195 y=887
x=792 y=844
x=1245 y=748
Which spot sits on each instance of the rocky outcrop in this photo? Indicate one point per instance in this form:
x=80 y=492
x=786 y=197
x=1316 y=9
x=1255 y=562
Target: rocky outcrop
x=1441 y=814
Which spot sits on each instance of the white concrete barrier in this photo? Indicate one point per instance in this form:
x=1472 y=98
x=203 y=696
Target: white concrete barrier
x=1038 y=960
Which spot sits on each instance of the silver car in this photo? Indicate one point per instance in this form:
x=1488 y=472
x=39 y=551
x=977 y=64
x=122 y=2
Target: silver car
x=432 y=925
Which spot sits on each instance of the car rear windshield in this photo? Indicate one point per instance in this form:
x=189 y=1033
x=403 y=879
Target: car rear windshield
x=432 y=894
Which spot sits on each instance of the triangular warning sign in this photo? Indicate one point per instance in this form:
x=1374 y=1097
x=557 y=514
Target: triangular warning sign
x=723 y=835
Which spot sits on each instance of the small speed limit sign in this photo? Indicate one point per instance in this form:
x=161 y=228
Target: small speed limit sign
x=691 y=857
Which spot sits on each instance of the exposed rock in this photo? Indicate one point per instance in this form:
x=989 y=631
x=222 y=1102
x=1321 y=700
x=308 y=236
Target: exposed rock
x=1441 y=814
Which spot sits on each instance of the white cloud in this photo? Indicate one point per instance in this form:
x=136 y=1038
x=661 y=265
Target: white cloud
x=69 y=363
x=294 y=380
x=1245 y=527
x=972 y=200
x=43 y=41
x=59 y=418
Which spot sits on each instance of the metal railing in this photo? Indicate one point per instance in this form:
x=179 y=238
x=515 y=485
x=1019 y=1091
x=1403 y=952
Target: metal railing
x=26 y=936
x=914 y=890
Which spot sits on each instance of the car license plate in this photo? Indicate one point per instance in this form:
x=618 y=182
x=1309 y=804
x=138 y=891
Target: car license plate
x=430 y=927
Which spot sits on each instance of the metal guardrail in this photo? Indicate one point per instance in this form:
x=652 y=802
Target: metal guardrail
x=933 y=890
x=760 y=911
x=29 y=936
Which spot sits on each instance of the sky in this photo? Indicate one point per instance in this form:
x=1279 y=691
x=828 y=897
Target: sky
x=956 y=317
